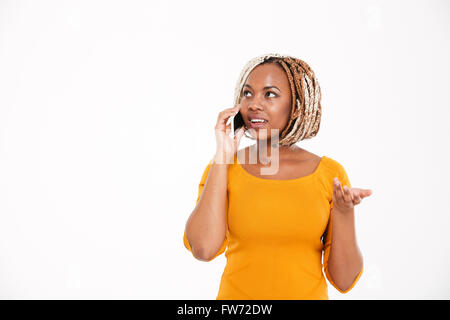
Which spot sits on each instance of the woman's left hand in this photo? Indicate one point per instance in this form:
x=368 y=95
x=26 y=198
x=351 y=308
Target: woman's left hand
x=344 y=199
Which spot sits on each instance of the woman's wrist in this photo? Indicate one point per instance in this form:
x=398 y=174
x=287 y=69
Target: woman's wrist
x=220 y=158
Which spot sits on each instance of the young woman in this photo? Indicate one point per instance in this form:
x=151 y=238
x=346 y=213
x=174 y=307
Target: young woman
x=277 y=226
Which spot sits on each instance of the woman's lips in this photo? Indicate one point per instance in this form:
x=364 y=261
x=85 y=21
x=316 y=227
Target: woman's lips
x=258 y=125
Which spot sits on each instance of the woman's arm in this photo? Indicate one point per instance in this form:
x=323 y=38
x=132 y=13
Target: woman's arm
x=206 y=226
x=345 y=260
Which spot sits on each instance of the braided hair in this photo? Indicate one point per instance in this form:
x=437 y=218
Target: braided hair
x=306 y=111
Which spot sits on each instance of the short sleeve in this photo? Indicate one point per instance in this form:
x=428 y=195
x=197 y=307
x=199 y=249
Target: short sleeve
x=200 y=189
x=341 y=174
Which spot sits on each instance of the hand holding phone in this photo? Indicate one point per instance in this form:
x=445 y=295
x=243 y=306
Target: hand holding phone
x=236 y=122
x=226 y=145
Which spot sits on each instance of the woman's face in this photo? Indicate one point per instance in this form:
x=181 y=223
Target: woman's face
x=266 y=94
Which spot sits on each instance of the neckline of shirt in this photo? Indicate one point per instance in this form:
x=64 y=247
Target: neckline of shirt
x=280 y=181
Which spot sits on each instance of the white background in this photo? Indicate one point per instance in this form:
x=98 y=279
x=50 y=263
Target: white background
x=107 y=114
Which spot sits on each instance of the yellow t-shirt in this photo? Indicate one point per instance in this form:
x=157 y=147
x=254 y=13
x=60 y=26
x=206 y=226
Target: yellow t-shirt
x=274 y=234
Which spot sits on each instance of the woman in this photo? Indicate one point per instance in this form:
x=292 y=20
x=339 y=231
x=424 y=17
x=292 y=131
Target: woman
x=276 y=226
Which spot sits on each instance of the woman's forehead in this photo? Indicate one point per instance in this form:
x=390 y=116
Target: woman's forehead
x=267 y=74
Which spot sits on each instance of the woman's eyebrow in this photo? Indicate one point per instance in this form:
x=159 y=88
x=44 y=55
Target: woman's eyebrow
x=268 y=87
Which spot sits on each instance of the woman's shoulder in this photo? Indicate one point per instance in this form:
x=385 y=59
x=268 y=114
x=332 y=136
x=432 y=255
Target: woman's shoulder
x=332 y=167
x=331 y=163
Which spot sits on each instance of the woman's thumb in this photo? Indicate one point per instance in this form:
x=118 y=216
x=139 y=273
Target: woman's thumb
x=239 y=135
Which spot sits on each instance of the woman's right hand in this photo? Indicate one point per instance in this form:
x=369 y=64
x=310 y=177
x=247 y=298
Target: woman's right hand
x=226 y=145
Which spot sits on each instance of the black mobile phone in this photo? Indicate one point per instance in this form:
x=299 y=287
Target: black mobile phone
x=236 y=123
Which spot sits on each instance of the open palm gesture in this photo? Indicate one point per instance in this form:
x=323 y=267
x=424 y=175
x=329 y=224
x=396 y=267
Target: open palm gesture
x=345 y=198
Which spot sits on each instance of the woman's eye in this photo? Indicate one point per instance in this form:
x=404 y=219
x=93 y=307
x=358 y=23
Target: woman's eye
x=244 y=93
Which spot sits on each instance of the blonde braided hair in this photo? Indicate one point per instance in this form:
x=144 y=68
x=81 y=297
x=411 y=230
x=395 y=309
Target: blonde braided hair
x=306 y=110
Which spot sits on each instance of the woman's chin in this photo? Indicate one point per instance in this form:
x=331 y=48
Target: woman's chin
x=262 y=134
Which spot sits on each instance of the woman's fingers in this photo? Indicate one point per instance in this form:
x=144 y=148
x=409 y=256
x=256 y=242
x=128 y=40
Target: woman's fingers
x=363 y=192
x=225 y=143
x=225 y=114
x=228 y=129
x=337 y=190
x=359 y=194
x=356 y=198
x=347 y=194
x=223 y=117
x=239 y=134
x=237 y=138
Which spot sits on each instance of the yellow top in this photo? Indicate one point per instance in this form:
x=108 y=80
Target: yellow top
x=274 y=234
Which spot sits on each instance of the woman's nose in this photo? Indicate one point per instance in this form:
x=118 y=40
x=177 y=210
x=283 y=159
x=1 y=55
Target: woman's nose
x=255 y=105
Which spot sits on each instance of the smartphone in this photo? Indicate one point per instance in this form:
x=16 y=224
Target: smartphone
x=236 y=122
